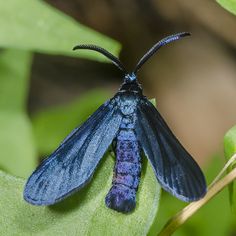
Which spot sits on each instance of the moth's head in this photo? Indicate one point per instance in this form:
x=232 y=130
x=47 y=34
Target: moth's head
x=131 y=84
x=131 y=78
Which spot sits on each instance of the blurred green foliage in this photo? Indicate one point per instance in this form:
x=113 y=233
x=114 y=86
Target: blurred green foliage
x=36 y=26
x=229 y=5
x=17 y=149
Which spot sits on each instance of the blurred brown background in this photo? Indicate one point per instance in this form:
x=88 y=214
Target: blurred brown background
x=193 y=80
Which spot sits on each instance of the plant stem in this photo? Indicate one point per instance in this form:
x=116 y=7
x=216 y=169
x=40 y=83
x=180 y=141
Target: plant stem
x=227 y=165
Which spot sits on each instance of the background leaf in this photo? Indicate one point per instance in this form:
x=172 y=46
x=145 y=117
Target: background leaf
x=36 y=26
x=14 y=70
x=83 y=213
x=18 y=155
x=229 y=5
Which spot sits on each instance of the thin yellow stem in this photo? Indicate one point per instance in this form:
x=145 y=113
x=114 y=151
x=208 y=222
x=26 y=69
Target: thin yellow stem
x=227 y=165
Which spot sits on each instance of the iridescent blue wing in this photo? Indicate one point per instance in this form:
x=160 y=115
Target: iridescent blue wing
x=175 y=169
x=72 y=165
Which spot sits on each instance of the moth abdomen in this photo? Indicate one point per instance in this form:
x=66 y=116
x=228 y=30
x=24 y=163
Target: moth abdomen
x=122 y=195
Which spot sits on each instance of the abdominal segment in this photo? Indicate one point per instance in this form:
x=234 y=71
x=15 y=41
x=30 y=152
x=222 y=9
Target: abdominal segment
x=122 y=195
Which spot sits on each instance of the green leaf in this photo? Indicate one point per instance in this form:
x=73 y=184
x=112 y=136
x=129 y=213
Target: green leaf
x=84 y=213
x=229 y=5
x=14 y=78
x=230 y=150
x=230 y=142
x=35 y=25
x=52 y=125
x=17 y=151
x=18 y=154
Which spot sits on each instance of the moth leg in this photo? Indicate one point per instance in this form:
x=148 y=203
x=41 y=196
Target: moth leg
x=112 y=149
x=113 y=145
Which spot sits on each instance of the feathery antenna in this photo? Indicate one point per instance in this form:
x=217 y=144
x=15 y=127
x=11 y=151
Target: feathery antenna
x=158 y=45
x=103 y=51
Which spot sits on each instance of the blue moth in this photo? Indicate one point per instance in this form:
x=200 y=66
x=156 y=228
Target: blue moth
x=131 y=122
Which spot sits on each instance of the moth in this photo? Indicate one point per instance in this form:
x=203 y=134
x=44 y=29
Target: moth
x=131 y=122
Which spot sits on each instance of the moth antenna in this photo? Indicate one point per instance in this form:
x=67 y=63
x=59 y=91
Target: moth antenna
x=158 y=45
x=104 y=52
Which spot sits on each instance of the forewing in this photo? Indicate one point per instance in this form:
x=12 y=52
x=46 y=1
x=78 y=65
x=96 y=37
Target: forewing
x=174 y=167
x=72 y=165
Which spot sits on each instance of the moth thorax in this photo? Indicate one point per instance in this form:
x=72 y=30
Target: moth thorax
x=128 y=106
